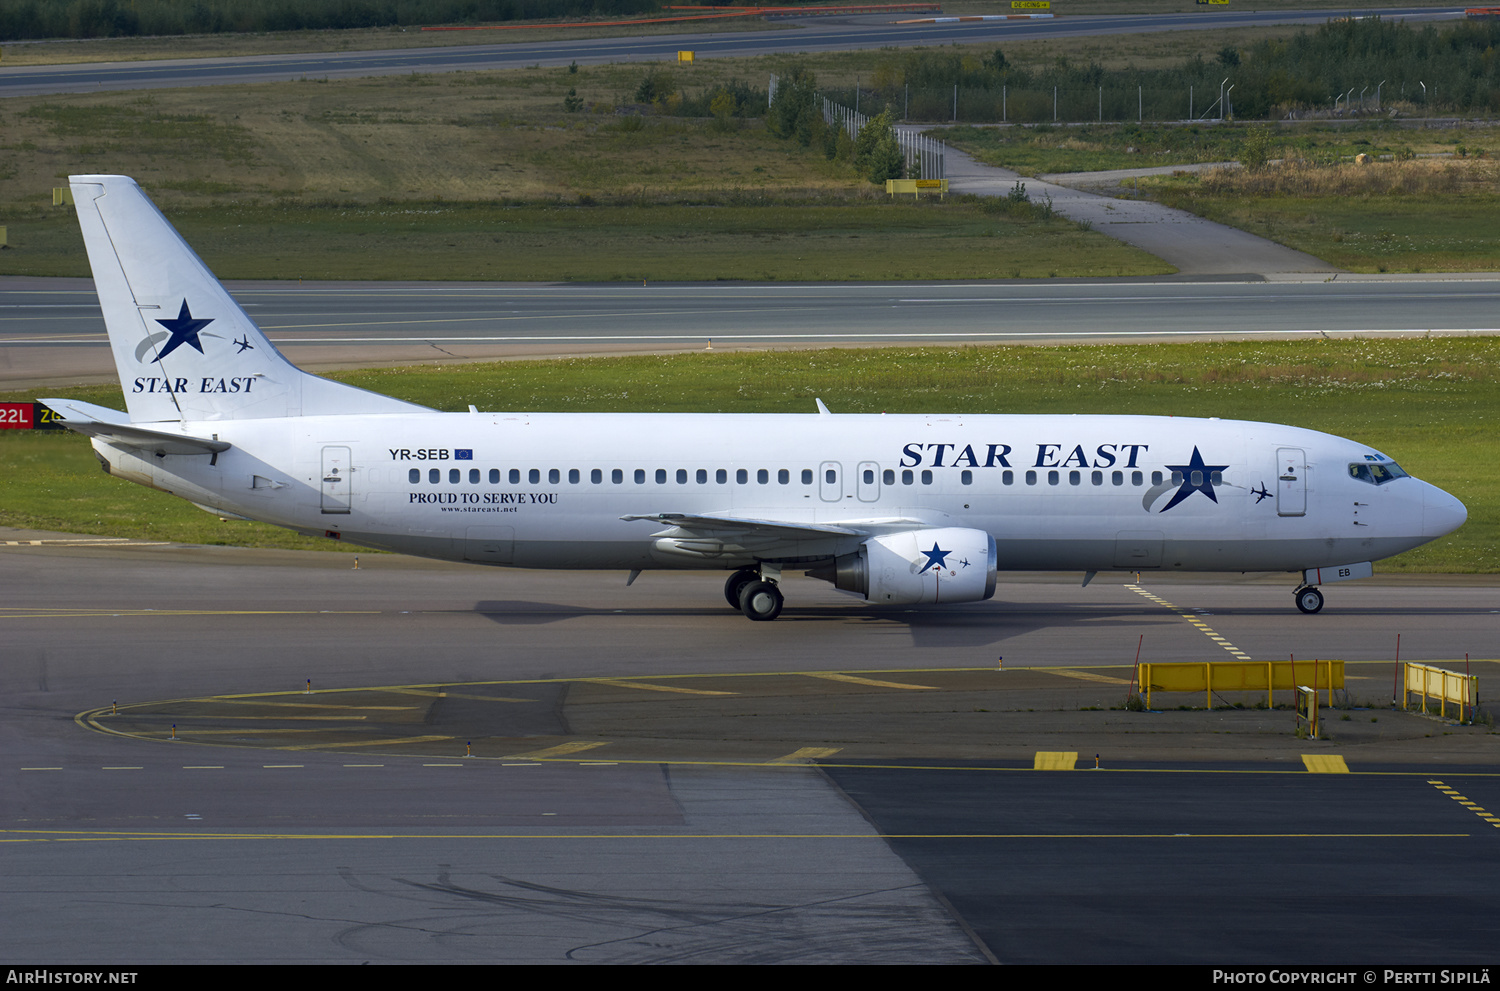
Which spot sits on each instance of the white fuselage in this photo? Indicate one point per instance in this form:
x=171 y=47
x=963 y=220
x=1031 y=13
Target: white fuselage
x=548 y=490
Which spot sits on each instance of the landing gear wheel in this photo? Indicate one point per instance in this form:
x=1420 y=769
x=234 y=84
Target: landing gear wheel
x=761 y=600
x=736 y=584
x=1309 y=599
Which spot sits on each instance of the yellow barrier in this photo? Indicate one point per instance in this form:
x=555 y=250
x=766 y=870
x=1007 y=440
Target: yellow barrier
x=1241 y=676
x=684 y=56
x=916 y=187
x=62 y=195
x=1445 y=686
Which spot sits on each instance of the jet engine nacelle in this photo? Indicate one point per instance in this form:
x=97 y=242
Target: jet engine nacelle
x=949 y=564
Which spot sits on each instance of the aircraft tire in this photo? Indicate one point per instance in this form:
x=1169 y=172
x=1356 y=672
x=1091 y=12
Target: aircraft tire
x=736 y=584
x=1309 y=599
x=761 y=600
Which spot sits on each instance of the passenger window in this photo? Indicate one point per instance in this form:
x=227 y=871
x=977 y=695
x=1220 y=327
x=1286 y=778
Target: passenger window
x=1118 y=478
x=661 y=476
x=640 y=476
x=762 y=476
x=721 y=476
x=573 y=476
x=596 y=475
x=1007 y=477
x=1156 y=478
x=494 y=476
x=554 y=475
x=453 y=475
x=617 y=476
x=434 y=476
x=888 y=476
x=414 y=476
x=926 y=477
x=1031 y=478
x=681 y=476
x=741 y=476
x=907 y=477
x=1074 y=477
x=1098 y=478
x=966 y=477
x=473 y=476
x=1136 y=478
x=1053 y=477
x=702 y=475
x=783 y=477
x=807 y=476
x=534 y=476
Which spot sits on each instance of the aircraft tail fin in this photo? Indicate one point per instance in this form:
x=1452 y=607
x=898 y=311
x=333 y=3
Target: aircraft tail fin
x=184 y=349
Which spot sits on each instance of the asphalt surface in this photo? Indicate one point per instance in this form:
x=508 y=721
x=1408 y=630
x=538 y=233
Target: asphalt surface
x=501 y=766
x=810 y=35
x=51 y=331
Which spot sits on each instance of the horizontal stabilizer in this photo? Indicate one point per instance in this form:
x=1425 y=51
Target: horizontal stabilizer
x=112 y=427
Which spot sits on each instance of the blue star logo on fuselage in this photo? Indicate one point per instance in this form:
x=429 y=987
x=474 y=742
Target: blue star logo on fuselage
x=1195 y=468
x=184 y=329
x=936 y=558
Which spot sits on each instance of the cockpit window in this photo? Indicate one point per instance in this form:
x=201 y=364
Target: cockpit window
x=1376 y=473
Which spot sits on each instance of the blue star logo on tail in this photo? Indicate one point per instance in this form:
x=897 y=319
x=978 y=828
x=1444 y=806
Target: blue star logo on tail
x=936 y=558
x=184 y=330
x=1194 y=469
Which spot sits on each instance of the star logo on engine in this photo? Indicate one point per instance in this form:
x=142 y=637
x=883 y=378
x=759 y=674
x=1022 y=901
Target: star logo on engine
x=184 y=330
x=936 y=558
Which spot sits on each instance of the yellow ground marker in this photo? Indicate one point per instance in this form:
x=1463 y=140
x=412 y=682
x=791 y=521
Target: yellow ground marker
x=806 y=753
x=851 y=679
x=561 y=750
x=1103 y=679
x=643 y=686
x=1054 y=760
x=1324 y=764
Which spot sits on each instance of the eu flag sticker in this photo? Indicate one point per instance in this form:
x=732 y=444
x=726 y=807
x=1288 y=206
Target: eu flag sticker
x=463 y=454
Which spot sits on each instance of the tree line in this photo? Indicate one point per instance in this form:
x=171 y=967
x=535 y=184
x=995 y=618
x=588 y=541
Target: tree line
x=28 y=19
x=1455 y=67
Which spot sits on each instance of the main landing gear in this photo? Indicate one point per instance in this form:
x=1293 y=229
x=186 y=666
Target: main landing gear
x=754 y=593
x=1309 y=599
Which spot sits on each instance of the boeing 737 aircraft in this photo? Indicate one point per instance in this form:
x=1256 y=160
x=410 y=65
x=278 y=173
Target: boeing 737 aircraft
x=896 y=509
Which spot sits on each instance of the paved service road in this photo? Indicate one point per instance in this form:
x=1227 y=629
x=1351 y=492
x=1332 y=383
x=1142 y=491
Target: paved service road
x=51 y=329
x=812 y=35
x=662 y=781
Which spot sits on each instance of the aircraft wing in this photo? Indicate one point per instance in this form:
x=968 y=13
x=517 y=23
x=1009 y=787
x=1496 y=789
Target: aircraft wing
x=114 y=428
x=731 y=524
x=717 y=538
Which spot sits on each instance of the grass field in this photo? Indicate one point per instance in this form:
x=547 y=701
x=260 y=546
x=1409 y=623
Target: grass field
x=1438 y=211
x=1098 y=147
x=338 y=180
x=814 y=240
x=1428 y=403
x=1434 y=216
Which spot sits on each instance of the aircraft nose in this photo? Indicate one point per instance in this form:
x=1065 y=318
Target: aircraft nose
x=1441 y=512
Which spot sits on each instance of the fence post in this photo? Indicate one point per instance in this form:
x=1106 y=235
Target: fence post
x=1054 y=104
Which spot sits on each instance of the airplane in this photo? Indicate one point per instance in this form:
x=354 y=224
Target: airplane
x=896 y=509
